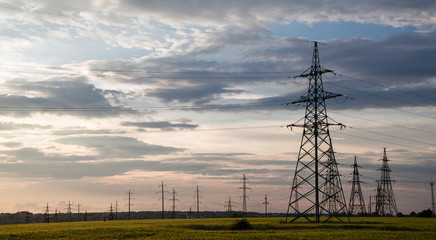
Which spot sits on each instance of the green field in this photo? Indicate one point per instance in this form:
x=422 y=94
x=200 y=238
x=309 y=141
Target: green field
x=264 y=228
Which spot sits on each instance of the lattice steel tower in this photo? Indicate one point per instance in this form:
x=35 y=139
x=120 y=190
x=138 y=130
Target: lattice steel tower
x=385 y=200
x=357 y=204
x=316 y=186
x=244 y=194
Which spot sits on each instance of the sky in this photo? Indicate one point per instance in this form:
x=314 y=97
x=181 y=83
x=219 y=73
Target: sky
x=99 y=97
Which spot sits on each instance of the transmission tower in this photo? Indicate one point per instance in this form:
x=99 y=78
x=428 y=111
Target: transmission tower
x=266 y=205
x=111 y=212
x=244 y=194
x=356 y=208
x=163 y=198
x=69 y=212
x=129 y=199
x=197 y=193
x=173 y=200
x=316 y=185
x=78 y=211
x=385 y=200
x=47 y=214
x=116 y=210
x=229 y=205
x=432 y=199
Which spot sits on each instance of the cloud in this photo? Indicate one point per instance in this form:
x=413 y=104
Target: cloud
x=62 y=97
x=164 y=125
x=10 y=126
x=246 y=14
x=118 y=147
x=197 y=94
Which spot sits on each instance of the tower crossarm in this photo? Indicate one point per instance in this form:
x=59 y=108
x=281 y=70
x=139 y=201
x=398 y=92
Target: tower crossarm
x=326 y=96
x=310 y=72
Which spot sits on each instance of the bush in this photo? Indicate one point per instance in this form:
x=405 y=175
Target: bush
x=242 y=224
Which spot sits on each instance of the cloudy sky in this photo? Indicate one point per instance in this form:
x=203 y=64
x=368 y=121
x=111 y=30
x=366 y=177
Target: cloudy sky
x=99 y=97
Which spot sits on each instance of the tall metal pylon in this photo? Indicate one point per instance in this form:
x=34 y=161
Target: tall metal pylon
x=69 y=212
x=229 y=205
x=111 y=212
x=356 y=208
x=173 y=200
x=46 y=214
x=432 y=199
x=197 y=193
x=385 y=201
x=244 y=194
x=316 y=182
x=129 y=203
x=78 y=211
x=163 y=198
x=266 y=205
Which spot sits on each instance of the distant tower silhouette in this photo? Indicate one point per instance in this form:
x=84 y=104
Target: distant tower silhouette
x=432 y=199
x=197 y=193
x=163 y=198
x=266 y=205
x=111 y=212
x=229 y=205
x=173 y=215
x=385 y=200
x=244 y=194
x=78 y=211
x=356 y=208
x=69 y=212
x=129 y=203
x=316 y=185
x=47 y=214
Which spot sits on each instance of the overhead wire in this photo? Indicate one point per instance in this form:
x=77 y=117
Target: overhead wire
x=392 y=99
x=385 y=123
x=379 y=59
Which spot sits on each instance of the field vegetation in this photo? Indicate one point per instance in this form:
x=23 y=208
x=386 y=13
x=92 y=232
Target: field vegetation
x=253 y=228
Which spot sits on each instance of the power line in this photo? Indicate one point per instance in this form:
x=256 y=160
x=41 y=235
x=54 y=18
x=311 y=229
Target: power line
x=388 y=135
x=378 y=140
x=380 y=96
x=380 y=59
x=390 y=88
x=385 y=123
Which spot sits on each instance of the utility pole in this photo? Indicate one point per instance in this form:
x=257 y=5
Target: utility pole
x=385 y=200
x=129 y=198
x=316 y=184
x=173 y=208
x=432 y=199
x=69 y=211
x=47 y=214
x=266 y=205
x=163 y=198
x=198 y=202
x=356 y=193
x=56 y=214
x=244 y=194
x=369 y=206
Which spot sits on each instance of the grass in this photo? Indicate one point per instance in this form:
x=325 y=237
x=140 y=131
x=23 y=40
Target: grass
x=263 y=228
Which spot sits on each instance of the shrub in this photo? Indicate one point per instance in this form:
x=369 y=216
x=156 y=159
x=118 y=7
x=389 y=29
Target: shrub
x=242 y=224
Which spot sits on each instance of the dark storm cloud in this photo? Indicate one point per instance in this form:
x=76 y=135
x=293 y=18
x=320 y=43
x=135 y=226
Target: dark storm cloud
x=63 y=97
